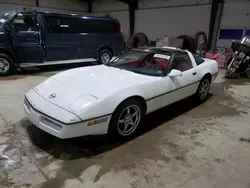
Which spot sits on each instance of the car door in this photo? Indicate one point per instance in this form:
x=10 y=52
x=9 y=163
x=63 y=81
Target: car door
x=26 y=38
x=63 y=37
x=182 y=86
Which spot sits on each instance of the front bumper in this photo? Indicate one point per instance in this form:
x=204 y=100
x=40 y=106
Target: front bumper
x=56 y=127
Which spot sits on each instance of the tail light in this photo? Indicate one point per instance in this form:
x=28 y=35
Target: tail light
x=121 y=29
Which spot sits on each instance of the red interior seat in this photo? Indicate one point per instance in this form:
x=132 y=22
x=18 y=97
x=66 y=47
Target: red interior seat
x=162 y=62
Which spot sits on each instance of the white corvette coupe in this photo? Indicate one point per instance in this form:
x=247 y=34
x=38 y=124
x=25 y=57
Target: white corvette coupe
x=113 y=98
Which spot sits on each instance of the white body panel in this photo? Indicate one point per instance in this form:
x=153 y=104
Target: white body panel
x=94 y=92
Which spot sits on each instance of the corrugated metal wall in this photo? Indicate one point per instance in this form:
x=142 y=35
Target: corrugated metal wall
x=154 y=18
x=174 y=21
x=157 y=17
x=235 y=15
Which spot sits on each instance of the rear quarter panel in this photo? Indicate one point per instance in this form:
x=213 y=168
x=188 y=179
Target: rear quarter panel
x=209 y=66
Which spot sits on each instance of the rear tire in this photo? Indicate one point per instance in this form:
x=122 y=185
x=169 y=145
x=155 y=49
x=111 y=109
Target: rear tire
x=203 y=90
x=126 y=120
x=7 y=65
x=104 y=56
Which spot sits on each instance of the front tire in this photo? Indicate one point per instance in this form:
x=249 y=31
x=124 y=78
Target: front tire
x=126 y=119
x=203 y=90
x=104 y=56
x=6 y=65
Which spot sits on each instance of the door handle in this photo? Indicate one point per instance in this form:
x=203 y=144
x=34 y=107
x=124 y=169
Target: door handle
x=194 y=73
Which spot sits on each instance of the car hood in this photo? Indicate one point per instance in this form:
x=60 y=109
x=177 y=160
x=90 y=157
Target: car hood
x=76 y=89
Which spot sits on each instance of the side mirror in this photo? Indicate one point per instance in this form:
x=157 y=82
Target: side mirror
x=7 y=27
x=175 y=73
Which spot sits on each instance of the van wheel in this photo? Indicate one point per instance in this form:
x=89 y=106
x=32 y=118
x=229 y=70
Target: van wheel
x=6 y=65
x=104 y=56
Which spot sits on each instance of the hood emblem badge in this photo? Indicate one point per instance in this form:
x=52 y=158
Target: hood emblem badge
x=52 y=96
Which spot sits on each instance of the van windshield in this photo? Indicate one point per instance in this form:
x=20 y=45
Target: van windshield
x=6 y=16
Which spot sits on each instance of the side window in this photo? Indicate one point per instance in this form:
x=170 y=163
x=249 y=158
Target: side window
x=100 y=26
x=60 y=24
x=54 y=23
x=23 y=22
x=182 y=62
x=72 y=25
x=64 y=24
x=198 y=59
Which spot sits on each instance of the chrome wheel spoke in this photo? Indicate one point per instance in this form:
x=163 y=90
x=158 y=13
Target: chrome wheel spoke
x=122 y=121
x=133 y=115
x=125 y=127
x=128 y=111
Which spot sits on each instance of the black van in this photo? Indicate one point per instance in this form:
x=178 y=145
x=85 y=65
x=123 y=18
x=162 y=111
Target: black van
x=32 y=38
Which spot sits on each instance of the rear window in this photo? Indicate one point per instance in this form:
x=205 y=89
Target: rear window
x=61 y=24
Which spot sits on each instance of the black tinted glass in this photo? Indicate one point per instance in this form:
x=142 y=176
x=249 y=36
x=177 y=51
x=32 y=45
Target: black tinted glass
x=59 y=24
x=198 y=59
x=182 y=62
x=23 y=22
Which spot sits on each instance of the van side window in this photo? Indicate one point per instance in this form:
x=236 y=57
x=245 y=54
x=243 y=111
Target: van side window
x=101 y=26
x=23 y=22
x=54 y=24
x=64 y=24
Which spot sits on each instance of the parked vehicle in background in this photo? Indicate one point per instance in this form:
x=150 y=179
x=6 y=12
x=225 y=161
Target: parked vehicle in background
x=145 y=81
x=32 y=38
x=239 y=64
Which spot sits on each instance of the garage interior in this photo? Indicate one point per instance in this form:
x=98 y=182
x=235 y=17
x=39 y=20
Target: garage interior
x=183 y=145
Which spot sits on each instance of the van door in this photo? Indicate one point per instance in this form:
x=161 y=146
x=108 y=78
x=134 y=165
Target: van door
x=26 y=39
x=63 y=38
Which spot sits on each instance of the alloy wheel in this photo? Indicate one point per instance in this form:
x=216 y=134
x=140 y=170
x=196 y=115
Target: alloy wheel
x=129 y=120
x=204 y=89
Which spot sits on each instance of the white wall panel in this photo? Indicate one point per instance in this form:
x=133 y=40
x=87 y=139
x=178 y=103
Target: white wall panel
x=235 y=15
x=144 y=4
x=174 y=21
x=72 y=6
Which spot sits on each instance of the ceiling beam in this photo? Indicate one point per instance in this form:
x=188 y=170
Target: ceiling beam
x=90 y=5
x=214 y=13
x=132 y=6
x=125 y=1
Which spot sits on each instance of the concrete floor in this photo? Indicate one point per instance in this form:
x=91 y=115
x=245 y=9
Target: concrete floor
x=180 y=146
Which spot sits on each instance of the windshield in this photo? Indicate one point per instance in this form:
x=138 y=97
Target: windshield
x=143 y=62
x=6 y=16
